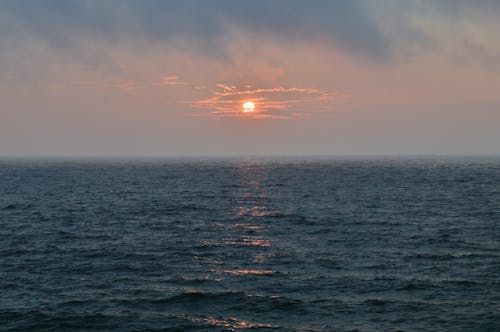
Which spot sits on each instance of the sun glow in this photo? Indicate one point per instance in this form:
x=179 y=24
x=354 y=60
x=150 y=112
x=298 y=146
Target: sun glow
x=248 y=107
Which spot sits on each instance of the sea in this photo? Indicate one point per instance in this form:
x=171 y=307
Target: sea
x=257 y=244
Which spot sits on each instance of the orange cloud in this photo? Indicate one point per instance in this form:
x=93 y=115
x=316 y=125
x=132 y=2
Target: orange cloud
x=127 y=85
x=226 y=87
x=271 y=103
x=171 y=81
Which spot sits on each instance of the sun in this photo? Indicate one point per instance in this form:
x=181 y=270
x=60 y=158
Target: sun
x=248 y=107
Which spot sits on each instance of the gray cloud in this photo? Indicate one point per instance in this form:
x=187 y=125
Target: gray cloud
x=204 y=24
x=373 y=30
x=457 y=29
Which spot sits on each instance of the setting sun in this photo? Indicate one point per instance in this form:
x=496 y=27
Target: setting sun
x=248 y=107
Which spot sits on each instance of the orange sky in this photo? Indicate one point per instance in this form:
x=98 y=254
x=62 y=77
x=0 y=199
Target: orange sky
x=331 y=77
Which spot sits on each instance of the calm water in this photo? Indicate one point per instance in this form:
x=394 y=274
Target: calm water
x=239 y=245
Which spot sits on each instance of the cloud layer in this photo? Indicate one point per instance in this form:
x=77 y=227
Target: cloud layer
x=273 y=103
x=151 y=75
x=372 y=29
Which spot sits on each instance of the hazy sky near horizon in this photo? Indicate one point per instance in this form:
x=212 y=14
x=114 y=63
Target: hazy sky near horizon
x=116 y=78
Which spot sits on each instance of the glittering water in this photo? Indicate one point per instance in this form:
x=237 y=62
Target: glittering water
x=235 y=245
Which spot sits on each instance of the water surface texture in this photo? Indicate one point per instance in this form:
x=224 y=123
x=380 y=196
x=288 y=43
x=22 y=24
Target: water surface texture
x=258 y=245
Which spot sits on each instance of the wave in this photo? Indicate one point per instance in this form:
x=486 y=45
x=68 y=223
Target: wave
x=9 y=207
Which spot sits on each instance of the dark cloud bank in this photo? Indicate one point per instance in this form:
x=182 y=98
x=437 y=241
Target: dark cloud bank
x=80 y=28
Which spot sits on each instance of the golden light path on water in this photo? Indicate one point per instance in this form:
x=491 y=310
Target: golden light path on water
x=244 y=230
x=234 y=323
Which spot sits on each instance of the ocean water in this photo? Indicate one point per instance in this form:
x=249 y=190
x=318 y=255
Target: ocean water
x=250 y=244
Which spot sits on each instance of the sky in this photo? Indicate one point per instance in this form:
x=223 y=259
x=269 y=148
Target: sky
x=169 y=78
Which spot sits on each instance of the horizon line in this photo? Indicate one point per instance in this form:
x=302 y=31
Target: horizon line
x=257 y=156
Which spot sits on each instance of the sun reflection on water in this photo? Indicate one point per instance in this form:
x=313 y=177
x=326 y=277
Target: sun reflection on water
x=244 y=232
x=247 y=272
x=249 y=241
x=239 y=246
x=253 y=211
x=234 y=323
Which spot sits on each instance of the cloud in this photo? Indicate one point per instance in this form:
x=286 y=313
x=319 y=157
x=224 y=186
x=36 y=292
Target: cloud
x=172 y=81
x=128 y=85
x=379 y=31
x=271 y=103
x=458 y=30
x=71 y=26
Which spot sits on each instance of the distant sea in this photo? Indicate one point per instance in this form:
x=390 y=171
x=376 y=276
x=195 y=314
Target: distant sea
x=360 y=244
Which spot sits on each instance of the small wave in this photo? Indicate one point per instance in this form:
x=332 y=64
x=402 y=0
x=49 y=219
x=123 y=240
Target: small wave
x=9 y=207
x=192 y=207
x=224 y=301
x=234 y=323
x=411 y=287
x=248 y=226
x=376 y=302
x=462 y=282
x=158 y=209
x=442 y=257
x=37 y=320
x=293 y=217
x=327 y=262
x=249 y=272
x=250 y=243
x=198 y=297
x=193 y=281
x=65 y=235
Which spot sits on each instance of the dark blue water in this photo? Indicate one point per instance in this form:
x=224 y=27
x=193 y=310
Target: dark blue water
x=235 y=245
